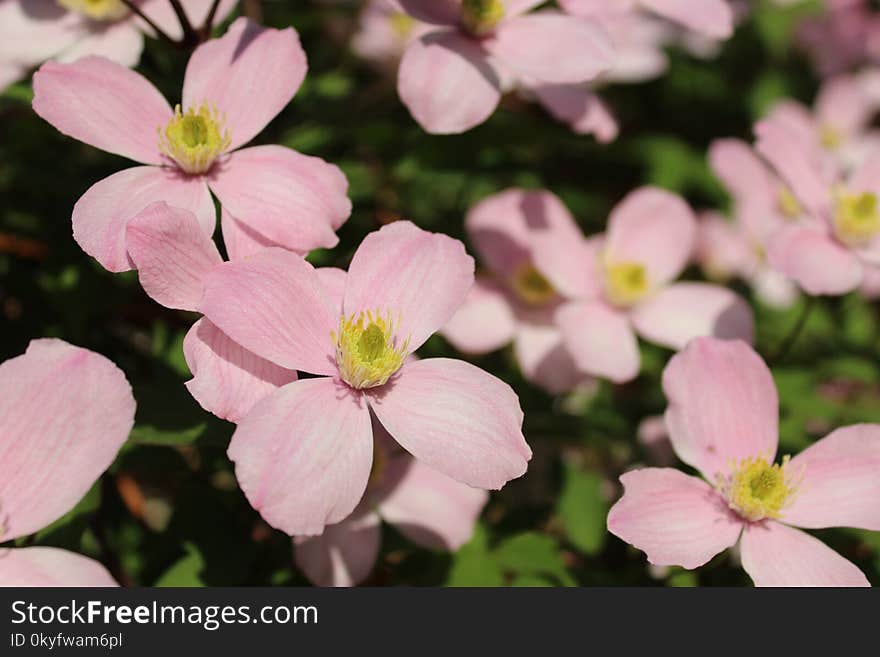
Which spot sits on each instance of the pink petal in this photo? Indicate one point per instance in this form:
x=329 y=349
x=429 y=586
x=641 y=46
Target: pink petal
x=344 y=555
x=517 y=7
x=683 y=311
x=722 y=405
x=600 y=339
x=776 y=555
x=292 y=200
x=544 y=358
x=675 y=519
x=457 y=419
x=580 y=108
x=49 y=566
x=434 y=12
x=103 y=104
x=303 y=455
x=101 y=215
x=723 y=250
x=240 y=239
x=742 y=172
x=843 y=105
x=570 y=263
x=274 y=305
x=333 y=280
x=815 y=261
x=552 y=47
x=797 y=164
x=120 y=42
x=64 y=414
x=654 y=228
x=427 y=507
x=714 y=18
x=840 y=481
x=503 y=227
x=172 y=255
x=419 y=276
x=484 y=322
x=447 y=83
x=228 y=380
x=33 y=32
x=250 y=73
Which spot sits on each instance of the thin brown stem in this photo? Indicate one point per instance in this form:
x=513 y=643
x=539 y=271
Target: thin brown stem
x=208 y=25
x=149 y=21
x=190 y=36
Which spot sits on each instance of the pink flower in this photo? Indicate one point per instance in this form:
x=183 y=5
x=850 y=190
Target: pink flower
x=235 y=85
x=839 y=123
x=827 y=250
x=428 y=508
x=64 y=414
x=384 y=31
x=621 y=283
x=452 y=78
x=513 y=301
x=711 y=18
x=722 y=420
x=303 y=454
x=32 y=31
x=844 y=37
x=762 y=205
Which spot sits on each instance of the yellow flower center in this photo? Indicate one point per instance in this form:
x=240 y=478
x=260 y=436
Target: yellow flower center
x=531 y=286
x=830 y=137
x=481 y=16
x=194 y=139
x=788 y=204
x=856 y=218
x=366 y=351
x=626 y=283
x=99 y=10
x=402 y=24
x=757 y=490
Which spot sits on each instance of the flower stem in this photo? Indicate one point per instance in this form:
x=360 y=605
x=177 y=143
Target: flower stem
x=190 y=36
x=786 y=345
x=149 y=21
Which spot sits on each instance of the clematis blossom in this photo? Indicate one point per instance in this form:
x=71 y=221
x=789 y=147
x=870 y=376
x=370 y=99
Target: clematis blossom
x=722 y=420
x=430 y=509
x=64 y=414
x=711 y=18
x=513 y=301
x=451 y=78
x=621 y=283
x=762 y=205
x=234 y=85
x=32 y=31
x=838 y=237
x=384 y=31
x=303 y=455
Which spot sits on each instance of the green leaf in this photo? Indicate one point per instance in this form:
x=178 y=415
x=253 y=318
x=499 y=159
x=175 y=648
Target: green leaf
x=582 y=509
x=531 y=553
x=474 y=564
x=186 y=571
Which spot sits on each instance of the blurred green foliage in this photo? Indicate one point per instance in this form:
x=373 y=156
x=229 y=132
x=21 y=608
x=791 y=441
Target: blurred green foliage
x=169 y=512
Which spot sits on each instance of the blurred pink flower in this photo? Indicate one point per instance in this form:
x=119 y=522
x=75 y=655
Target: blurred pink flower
x=235 y=85
x=839 y=123
x=32 y=31
x=428 y=508
x=762 y=205
x=303 y=454
x=711 y=18
x=451 y=79
x=838 y=235
x=384 y=31
x=845 y=36
x=621 y=283
x=513 y=301
x=64 y=414
x=722 y=420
